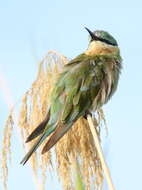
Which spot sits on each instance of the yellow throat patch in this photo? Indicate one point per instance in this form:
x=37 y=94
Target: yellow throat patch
x=100 y=48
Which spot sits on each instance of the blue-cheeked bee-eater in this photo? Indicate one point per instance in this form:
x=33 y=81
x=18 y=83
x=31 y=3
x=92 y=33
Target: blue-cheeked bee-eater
x=85 y=84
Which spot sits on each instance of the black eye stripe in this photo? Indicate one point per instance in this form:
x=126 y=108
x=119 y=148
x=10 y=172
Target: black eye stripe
x=107 y=42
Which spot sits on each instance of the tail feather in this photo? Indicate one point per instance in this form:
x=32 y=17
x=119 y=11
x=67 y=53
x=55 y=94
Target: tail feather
x=39 y=130
x=59 y=132
x=36 y=145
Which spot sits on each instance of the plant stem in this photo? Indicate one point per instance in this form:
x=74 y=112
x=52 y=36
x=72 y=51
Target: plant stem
x=100 y=152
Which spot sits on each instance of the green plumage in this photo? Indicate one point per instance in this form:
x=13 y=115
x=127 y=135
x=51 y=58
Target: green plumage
x=86 y=83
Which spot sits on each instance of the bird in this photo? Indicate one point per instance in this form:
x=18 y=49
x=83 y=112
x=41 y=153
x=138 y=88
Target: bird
x=85 y=84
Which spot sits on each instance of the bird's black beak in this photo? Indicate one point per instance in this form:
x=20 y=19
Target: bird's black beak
x=93 y=37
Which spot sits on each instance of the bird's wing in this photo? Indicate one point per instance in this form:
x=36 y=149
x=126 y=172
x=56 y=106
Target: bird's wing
x=80 y=88
x=81 y=85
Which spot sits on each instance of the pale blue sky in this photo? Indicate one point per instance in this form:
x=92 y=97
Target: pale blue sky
x=28 y=29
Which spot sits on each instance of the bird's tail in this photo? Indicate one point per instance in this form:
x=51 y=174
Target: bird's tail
x=55 y=137
x=39 y=129
x=37 y=144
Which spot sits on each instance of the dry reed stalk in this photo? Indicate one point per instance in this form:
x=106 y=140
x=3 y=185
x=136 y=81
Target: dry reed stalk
x=77 y=143
x=93 y=123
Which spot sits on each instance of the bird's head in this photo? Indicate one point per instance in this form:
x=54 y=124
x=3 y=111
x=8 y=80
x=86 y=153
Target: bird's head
x=101 y=42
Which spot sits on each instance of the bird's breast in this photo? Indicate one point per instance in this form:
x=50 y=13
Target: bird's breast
x=108 y=84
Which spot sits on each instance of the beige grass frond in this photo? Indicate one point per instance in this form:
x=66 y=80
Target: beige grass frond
x=6 y=149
